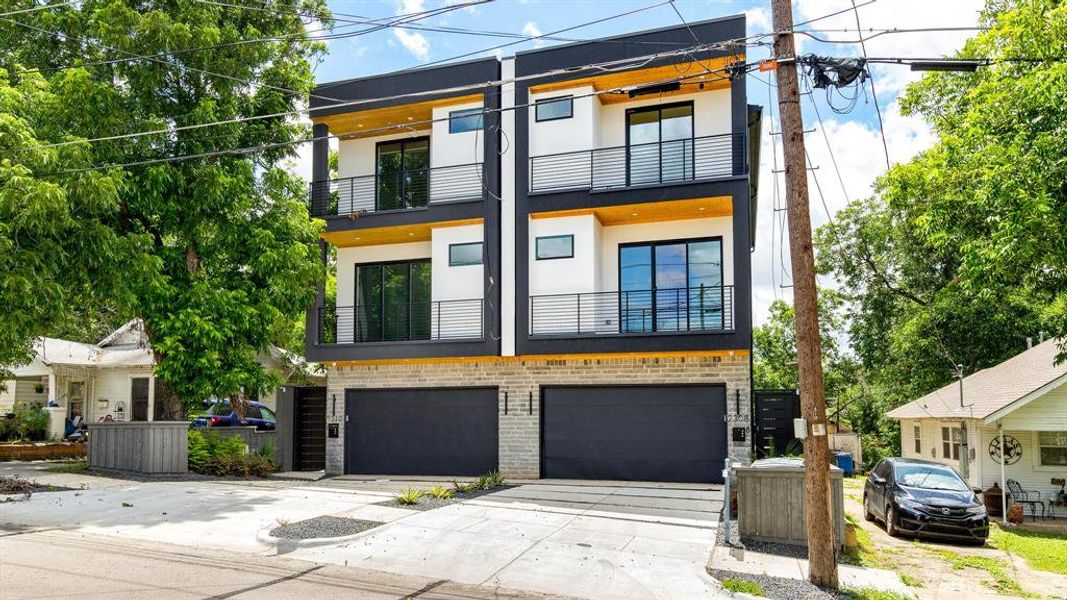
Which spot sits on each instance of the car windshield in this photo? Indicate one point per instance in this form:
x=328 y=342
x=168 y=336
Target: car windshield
x=930 y=477
x=223 y=409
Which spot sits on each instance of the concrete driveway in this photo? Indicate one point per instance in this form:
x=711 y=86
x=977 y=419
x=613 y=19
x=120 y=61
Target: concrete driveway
x=576 y=539
x=590 y=540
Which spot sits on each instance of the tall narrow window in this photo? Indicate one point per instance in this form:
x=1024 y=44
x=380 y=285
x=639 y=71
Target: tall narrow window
x=659 y=143
x=917 y=434
x=393 y=301
x=671 y=286
x=403 y=174
x=950 y=442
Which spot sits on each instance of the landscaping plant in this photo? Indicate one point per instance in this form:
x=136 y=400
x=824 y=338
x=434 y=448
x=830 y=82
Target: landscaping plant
x=31 y=423
x=212 y=454
x=408 y=496
x=465 y=487
x=439 y=492
x=743 y=586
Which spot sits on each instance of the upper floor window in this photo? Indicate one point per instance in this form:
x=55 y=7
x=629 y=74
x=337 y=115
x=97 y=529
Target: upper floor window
x=467 y=119
x=551 y=109
x=555 y=246
x=460 y=255
x=659 y=140
x=950 y=443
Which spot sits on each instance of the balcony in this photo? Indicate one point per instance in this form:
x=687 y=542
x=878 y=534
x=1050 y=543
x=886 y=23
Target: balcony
x=402 y=190
x=435 y=321
x=642 y=312
x=659 y=163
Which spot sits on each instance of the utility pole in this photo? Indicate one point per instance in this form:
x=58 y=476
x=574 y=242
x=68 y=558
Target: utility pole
x=822 y=562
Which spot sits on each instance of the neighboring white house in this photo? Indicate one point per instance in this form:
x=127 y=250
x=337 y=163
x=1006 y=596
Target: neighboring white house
x=94 y=381
x=1023 y=398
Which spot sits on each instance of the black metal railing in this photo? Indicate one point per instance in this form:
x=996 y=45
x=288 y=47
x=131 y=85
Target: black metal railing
x=675 y=161
x=675 y=310
x=412 y=188
x=440 y=320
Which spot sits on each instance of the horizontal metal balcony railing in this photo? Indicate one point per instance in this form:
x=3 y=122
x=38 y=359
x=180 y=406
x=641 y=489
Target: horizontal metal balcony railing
x=659 y=163
x=664 y=311
x=439 y=320
x=397 y=191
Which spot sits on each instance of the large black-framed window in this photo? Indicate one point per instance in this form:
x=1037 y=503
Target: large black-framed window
x=551 y=247
x=672 y=285
x=553 y=109
x=393 y=301
x=402 y=173
x=659 y=143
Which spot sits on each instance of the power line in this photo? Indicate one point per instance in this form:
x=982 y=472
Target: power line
x=37 y=8
x=607 y=65
x=874 y=92
x=393 y=128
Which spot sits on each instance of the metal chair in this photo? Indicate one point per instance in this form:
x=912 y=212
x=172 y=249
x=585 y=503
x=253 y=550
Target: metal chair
x=1031 y=498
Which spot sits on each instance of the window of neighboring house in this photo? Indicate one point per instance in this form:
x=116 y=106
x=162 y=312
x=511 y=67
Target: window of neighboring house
x=461 y=255
x=551 y=109
x=555 y=246
x=917 y=431
x=467 y=119
x=950 y=442
x=1052 y=448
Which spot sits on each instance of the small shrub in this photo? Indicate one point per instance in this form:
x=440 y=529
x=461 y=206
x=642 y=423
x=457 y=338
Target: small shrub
x=199 y=451
x=744 y=586
x=212 y=454
x=492 y=479
x=31 y=423
x=267 y=451
x=8 y=431
x=408 y=497
x=464 y=488
x=231 y=445
x=439 y=492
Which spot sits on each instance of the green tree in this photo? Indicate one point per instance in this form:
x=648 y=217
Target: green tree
x=215 y=253
x=962 y=253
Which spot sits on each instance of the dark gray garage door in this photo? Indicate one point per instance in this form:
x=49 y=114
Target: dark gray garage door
x=421 y=431
x=636 y=433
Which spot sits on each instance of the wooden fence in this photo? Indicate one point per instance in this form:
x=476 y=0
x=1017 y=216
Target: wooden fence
x=150 y=447
x=770 y=504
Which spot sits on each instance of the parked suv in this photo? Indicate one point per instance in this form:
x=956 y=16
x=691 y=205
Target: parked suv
x=222 y=414
x=924 y=498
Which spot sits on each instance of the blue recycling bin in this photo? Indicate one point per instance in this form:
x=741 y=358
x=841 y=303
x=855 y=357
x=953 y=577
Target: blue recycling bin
x=845 y=463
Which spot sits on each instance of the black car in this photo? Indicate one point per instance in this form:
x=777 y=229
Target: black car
x=924 y=498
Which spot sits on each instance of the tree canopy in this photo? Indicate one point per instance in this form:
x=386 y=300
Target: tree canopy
x=217 y=253
x=961 y=254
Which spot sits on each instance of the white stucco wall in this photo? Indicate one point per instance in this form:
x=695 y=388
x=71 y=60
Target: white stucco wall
x=565 y=275
x=507 y=213
x=565 y=135
x=711 y=116
x=460 y=282
x=613 y=236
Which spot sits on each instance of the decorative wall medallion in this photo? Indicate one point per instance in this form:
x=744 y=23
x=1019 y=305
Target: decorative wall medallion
x=1012 y=448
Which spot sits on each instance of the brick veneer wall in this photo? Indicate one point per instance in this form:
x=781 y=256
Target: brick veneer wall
x=521 y=379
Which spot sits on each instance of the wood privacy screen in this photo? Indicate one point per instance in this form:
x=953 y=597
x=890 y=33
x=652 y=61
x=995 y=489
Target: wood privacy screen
x=770 y=504
x=153 y=447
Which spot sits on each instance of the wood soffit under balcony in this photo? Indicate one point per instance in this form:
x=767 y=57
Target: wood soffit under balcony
x=400 y=234
x=608 y=81
x=417 y=114
x=650 y=212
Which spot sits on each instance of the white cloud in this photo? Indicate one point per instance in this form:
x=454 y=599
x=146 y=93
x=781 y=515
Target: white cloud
x=856 y=144
x=413 y=41
x=531 y=29
x=758 y=20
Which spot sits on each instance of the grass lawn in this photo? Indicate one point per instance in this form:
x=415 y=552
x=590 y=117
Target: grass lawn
x=74 y=466
x=1043 y=551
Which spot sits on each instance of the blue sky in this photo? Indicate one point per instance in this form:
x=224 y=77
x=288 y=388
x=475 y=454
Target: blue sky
x=853 y=139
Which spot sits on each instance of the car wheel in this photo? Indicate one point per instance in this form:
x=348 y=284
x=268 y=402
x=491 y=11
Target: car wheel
x=890 y=521
x=867 y=514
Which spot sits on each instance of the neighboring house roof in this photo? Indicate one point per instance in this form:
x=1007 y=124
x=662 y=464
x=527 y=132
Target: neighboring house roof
x=993 y=392
x=131 y=333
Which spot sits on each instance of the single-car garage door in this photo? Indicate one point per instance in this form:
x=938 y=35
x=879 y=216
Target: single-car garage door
x=636 y=433
x=449 y=431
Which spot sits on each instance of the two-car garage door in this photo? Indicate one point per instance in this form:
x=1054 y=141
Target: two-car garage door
x=636 y=433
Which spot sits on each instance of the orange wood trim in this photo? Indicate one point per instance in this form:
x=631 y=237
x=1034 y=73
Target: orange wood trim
x=400 y=234
x=650 y=212
x=404 y=117
x=539 y=357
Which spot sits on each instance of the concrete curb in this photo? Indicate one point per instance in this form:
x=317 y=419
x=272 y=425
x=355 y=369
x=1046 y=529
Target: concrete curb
x=284 y=545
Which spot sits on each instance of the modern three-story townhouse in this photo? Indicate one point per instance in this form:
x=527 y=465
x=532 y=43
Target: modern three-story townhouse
x=542 y=262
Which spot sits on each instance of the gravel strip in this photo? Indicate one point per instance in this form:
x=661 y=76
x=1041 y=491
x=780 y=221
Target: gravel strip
x=430 y=503
x=782 y=588
x=322 y=527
